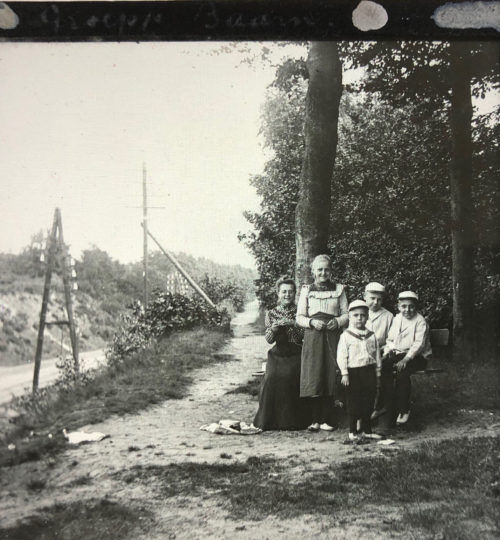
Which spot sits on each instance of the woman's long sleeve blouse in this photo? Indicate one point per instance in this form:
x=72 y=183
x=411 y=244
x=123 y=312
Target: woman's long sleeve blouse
x=311 y=302
x=294 y=334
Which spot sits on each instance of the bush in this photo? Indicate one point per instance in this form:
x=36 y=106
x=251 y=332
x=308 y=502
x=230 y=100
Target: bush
x=219 y=290
x=165 y=313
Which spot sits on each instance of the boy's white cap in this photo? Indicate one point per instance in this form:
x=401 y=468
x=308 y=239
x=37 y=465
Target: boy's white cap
x=407 y=294
x=357 y=304
x=375 y=287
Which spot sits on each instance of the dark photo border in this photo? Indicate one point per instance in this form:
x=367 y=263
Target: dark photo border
x=200 y=20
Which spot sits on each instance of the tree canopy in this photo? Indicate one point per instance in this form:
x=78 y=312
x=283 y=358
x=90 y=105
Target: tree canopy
x=390 y=217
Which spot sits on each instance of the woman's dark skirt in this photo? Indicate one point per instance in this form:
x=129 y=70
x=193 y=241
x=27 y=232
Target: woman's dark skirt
x=280 y=406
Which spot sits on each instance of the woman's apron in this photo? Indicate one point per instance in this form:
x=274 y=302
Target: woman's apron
x=319 y=360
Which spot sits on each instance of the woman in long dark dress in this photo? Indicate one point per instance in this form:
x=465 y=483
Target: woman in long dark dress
x=280 y=406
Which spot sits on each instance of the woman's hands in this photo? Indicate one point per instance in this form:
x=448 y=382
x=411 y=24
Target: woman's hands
x=321 y=325
x=275 y=326
x=345 y=380
x=332 y=324
x=317 y=324
x=282 y=322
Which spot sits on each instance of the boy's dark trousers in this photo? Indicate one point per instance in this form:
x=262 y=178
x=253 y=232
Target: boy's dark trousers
x=360 y=395
x=396 y=385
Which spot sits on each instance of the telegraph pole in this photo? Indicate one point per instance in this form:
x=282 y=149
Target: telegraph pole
x=145 y=229
x=144 y=224
x=56 y=249
x=51 y=248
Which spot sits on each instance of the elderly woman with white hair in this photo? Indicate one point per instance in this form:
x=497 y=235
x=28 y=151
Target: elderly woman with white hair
x=322 y=311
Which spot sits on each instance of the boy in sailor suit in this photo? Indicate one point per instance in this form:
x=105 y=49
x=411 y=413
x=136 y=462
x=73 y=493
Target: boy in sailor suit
x=379 y=321
x=407 y=349
x=358 y=357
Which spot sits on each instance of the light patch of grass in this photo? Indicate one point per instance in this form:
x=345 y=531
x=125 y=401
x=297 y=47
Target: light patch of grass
x=92 y=520
x=159 y=373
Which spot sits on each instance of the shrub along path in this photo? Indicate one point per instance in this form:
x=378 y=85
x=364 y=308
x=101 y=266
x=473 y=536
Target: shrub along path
x=159 y=476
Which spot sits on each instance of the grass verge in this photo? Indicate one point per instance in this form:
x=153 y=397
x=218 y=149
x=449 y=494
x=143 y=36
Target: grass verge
x=449 y=489
x=149 y=377
x=92 y=520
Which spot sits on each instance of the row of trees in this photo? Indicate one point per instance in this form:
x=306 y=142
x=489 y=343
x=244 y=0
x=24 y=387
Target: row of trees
x=407 y=146
x=114 y=284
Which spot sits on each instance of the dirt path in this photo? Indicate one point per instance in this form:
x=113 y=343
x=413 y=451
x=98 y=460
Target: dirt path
x=169 y=433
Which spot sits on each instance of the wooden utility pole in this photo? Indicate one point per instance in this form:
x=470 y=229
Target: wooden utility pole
x=67 y=296
x=144 y=224
x=145 y=228
x=183 y=272
x=55 y=246
x=52 y=246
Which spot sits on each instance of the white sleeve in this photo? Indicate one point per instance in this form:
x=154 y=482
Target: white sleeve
x=302 y=318
x=418 y=345
x=343 y=318
x=378 y=357
x=391 y=337
x=342 y=355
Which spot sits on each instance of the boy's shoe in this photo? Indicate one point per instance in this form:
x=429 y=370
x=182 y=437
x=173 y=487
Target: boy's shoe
x=378 y=412
x=353 y=437
x=313 y=427
x=326 y=427
x=374 y=436
x=402 y=418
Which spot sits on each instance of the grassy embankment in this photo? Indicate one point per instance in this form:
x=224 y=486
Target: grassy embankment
x=151 y=376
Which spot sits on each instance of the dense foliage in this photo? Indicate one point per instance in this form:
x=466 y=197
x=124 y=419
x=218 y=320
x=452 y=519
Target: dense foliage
x=98 y=274
x=164 y=314
x=114 y=284
x=224 y=292
x=390 y=216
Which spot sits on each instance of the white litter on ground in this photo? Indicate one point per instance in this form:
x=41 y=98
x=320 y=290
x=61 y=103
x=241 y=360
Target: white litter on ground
x=386 y=442
x=78 y=437
x=230 y=427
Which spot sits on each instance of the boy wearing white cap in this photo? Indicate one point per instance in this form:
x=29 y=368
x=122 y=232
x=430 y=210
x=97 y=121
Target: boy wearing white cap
x=407 y=347
x=358 y=357
x=379 y=322
x=379 y=319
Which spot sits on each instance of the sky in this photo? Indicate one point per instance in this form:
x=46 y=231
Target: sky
x=80 y=119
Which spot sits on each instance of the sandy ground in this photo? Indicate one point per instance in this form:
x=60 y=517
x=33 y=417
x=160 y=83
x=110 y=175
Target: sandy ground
x=169 y=433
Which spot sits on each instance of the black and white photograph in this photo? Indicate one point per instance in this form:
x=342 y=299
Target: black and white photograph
x=250 y=288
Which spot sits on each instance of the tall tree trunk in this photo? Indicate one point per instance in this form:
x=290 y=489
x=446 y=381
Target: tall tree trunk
x=462 y=236
x=322 y=113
